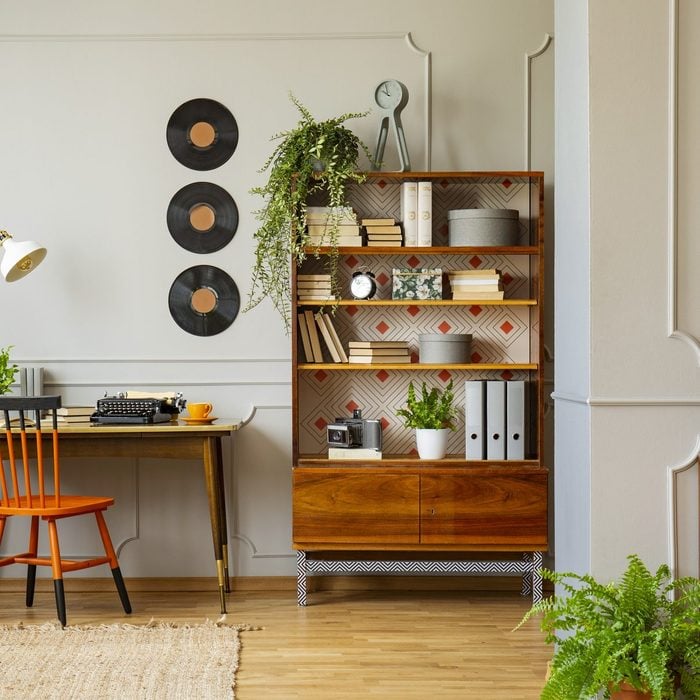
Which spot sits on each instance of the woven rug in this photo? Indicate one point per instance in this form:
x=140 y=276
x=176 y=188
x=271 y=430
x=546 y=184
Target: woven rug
x=149 y=662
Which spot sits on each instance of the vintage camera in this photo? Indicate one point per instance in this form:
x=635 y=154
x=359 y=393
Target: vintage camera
x=355 y=432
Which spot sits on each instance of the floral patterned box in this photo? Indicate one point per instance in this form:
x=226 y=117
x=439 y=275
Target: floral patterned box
x=417 y=283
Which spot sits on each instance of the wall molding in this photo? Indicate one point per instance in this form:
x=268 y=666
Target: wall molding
x=672 y=291
x=643 y=401
x=672 y=489
x=529 y=57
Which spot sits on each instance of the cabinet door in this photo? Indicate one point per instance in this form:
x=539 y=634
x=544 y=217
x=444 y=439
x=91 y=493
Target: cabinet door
x=485 y=509
x=355 y=508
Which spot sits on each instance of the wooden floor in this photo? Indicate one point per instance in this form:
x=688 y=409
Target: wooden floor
x=346 y=644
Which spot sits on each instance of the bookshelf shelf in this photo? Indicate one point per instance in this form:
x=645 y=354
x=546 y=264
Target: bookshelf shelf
x=400 y=502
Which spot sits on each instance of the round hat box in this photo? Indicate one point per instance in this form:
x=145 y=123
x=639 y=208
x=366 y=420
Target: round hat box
x=497 y=227
x=445 y=348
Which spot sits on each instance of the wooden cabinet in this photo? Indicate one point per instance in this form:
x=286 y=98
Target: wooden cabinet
x=402 y=503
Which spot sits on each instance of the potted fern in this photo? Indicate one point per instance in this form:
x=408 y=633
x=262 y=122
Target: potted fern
x=314 y=157
x=431 y=415
x=639 y=638
x=7 y=370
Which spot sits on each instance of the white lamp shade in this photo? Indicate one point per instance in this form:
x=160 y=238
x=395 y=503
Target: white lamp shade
x=20 y=258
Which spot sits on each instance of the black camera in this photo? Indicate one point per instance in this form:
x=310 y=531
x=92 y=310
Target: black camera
x=355 y=432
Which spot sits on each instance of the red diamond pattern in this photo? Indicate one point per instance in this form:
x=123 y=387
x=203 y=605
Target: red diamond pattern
x=506 y=183
x=385 y=423
x=382 y=375
x=381 y=184
x=476 y=358
x=382 y=278
x=475 y=310
x=414 y=357
x=444 y=327
x=475 y=261
x=445 y=376
x=351 y=406
x=413 y=261
x=506 y=278
x=321 y=423
x=382 y=327
x=507 y=327
x=320 y=375
x=444 y=183
x=351 y=261
x=351 y=310
x=506 y=374
x=413 y=310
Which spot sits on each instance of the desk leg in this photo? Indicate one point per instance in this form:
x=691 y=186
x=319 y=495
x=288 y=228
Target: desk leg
x=215 y=499
x=222 y=513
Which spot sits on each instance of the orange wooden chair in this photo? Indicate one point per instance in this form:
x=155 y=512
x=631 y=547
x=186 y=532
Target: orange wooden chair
x=19 y=498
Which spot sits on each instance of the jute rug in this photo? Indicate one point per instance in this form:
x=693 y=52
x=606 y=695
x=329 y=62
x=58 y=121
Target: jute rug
x=149 y=662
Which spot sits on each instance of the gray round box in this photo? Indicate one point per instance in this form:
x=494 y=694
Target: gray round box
x=445 y=348
x=482 y=227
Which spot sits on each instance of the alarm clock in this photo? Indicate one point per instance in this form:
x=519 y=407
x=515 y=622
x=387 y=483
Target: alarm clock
x=363 y=285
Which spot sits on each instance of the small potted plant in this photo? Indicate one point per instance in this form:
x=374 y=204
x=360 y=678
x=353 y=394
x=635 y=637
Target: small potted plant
x=7 y=370
x=639 y=638
x=314 y=157
x=431 y=415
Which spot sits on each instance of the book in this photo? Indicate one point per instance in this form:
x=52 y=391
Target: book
x=378 y=351
x=313 y=285
x=491 y=272
x=75 y=410
x=378 y=222
x=379 y=359
x=378 y=344
x=378 y=244
x=339 y=230
x=327 y=337
x=474 y=282
x=305 y=340
x=491 y=296
x=425 y=214
x=313 y=336
x=339 y=214
x=469 y=288
x=349 y=241
x=72 y=419
x=353 y=453
x=409 y=212
x=383 y=229
x=336 y=339
x=313 y=278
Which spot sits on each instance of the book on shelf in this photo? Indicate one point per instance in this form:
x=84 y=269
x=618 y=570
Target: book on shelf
x=388 y=242
x=387 y=221
x=475 y=296
x=409 y=212
x=317 y=298
x=335 y=338
x=353 y=453
x=330 y=229
x=490 y=272
x=467 y=288
x=475 y=282
x=72 y=419
x=313 y=278
x=75 y=410
x=425 y=214
x=340 y=241
x=378 y=351
x=319 y=284
x=379 y=359
x=325 y=334
x=383 y=229
x=332 y=215
x=305 y=340
x=313 y=336
x=378 y=344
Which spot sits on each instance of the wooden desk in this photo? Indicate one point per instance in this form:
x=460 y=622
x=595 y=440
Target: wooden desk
x=173 y=440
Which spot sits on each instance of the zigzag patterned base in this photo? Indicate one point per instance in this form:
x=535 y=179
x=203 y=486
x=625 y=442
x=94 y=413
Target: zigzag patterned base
x=529 y=567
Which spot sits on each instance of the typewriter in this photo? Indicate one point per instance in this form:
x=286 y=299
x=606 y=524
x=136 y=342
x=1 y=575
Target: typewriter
x=122 y=408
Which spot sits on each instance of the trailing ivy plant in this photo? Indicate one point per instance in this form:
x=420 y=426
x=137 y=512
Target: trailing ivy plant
x=433 y=410
x=7 y=370
x=644 y=630
x=314 y=157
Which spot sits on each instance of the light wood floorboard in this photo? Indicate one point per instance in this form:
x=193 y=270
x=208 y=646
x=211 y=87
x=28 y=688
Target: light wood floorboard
x=345 y=644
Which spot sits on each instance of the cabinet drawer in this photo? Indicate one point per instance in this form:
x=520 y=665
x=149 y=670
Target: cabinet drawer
x=478 y=509
x=355 y=508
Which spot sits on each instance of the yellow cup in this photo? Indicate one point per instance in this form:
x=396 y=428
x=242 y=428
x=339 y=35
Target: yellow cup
x=199 y=411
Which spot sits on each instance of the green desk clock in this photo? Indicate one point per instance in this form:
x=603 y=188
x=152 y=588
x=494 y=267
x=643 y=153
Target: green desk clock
x=391 y=97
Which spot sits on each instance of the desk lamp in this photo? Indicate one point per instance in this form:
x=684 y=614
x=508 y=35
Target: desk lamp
x=21 y=257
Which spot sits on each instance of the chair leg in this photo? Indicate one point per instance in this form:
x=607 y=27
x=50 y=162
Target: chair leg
x=113 y=562
x=31 y=568
x=57 y=572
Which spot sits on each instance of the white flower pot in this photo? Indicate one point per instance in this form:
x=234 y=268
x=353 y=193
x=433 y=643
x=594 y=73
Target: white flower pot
x=431 y=444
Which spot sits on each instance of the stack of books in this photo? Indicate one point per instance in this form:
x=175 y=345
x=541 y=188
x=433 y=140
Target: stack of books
x=417 y=213
x=476 y=284
x=332 y=226
x=317 y=327
x=314 y=289
x=74 y=414
x=382 y=232
x=376 y=352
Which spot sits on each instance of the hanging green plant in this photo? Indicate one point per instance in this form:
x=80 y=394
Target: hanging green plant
x=314 y=157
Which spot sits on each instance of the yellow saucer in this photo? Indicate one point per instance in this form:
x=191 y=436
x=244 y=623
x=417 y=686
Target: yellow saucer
x=199 y=421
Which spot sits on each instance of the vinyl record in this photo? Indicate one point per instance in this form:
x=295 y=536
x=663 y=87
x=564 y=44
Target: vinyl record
x=202 y=134
x=202 y=217
x=204 y=300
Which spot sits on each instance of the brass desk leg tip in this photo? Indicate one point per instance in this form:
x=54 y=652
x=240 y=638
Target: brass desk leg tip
x=222 y=600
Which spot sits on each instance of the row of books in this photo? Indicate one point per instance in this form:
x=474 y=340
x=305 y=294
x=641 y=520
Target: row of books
x=382 y=232
x=332 y=225
x=316 y=326
x=377 y=352
x=417 y=213
x=315 y=288
x=476 y=284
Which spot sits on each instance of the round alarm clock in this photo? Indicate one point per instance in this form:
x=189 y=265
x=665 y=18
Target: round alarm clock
x=363 y=285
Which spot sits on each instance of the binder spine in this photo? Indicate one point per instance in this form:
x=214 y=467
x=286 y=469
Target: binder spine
x=495 y=420
x=475 y=419
x=515 y=420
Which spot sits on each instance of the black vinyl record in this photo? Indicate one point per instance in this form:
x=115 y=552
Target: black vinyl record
x=202 y=217
x=202 y=134
x=204 y=300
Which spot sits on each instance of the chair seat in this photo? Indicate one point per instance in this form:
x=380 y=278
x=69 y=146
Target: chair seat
x=70 y=505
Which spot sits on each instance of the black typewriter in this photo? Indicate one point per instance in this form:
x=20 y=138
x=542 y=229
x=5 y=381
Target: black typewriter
x=121 y=410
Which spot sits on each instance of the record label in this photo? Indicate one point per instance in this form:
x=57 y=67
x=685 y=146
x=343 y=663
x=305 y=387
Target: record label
x=202 y=134
x=204 y=300
x=202 y=217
